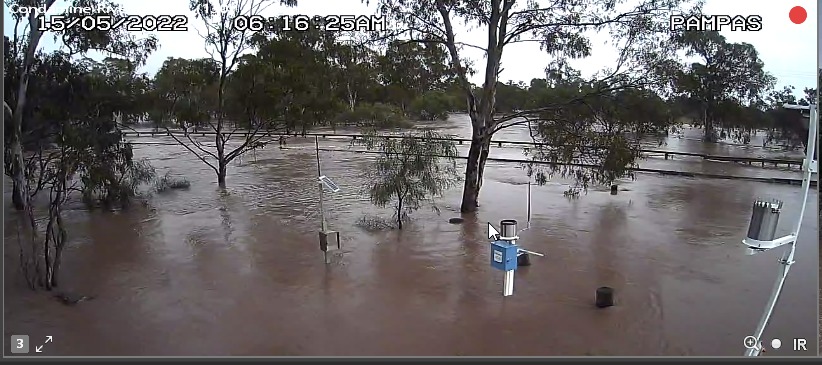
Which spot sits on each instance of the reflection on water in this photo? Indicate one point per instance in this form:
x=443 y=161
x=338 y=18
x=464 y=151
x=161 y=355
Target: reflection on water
x=202 y=272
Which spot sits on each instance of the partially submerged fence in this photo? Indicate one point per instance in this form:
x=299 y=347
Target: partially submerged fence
x=772 y=180
x=789 y=163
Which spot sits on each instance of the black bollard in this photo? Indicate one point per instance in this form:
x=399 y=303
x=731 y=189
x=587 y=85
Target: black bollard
x=614 y=189
x=523 y=260
x=605 y=297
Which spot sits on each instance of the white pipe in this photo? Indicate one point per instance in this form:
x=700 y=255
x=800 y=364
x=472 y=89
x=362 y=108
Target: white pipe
x=531 y=252
x=788 y=258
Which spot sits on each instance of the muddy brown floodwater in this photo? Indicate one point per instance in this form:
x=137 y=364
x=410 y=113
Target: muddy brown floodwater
x=204 y=272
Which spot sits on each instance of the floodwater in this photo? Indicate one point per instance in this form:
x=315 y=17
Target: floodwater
x=205 y=272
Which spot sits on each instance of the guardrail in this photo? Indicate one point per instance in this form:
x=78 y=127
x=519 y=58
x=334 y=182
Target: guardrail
x=790 y=163
x=772 y=180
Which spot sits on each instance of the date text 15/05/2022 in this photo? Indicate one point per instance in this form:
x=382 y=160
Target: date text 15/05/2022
x=331 y=23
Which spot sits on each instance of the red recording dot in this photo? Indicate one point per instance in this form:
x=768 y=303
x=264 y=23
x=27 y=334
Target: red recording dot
x=798 y=15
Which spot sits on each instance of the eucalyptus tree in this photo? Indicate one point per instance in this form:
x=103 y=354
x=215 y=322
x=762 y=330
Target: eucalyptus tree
x=226 y=43
x=75 y=145
x=638 y=29
x=185 y=94
x=409 y=69
x=357 y=69
x=300 y=76
x=24 y=43
x=726 y=75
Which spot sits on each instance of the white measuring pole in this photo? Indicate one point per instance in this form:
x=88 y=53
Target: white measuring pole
x=528 y=225
x=323 y=227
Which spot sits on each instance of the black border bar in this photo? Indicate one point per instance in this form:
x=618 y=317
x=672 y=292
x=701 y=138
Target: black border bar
x=412 y=360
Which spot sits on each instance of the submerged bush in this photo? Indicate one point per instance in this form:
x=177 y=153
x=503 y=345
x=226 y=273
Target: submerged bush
x=411 y=171
x=168 y=182
x=115 y=184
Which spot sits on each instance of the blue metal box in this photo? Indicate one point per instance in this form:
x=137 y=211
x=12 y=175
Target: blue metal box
x=503 y=255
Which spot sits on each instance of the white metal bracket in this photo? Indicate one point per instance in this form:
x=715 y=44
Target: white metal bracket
x=767 y=245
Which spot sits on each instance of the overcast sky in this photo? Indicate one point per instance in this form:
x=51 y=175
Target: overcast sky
x=786 y=48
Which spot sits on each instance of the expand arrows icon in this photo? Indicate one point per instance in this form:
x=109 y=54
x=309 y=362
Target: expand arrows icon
x=40 y=348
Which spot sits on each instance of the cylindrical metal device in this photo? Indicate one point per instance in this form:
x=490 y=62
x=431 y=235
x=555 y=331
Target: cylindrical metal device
x=523 y=259
x=604 y=297
x=508 y=228
x=764 y=220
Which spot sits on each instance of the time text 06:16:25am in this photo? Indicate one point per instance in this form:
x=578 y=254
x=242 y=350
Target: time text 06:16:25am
x=331 y=23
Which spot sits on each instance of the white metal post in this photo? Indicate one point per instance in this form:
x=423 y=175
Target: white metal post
x=508 y=284
x=322 y=210
x=320 y=186
x=528 y=225
x=809 y=167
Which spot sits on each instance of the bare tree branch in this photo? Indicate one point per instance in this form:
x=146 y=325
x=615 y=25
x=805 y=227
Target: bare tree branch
x=201 y=158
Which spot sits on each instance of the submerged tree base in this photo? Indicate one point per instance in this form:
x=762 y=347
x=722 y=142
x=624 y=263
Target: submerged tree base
x=72 y=299
x=371 y=223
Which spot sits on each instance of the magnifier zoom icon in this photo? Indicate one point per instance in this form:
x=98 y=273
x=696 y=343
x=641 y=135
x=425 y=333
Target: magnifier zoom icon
x=752 y=343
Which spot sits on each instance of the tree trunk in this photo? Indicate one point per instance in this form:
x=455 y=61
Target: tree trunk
x=60 y=243
x=20 y=193
x=55 y=234
x=709 y=128
x=474 y=168
x=55 y=270
x=470 y=190
x=222 y=159
x=351 y=97
x=303 y=122
x=399 y=213
x=481 y=115
x=485 y=148
x=35 y=268
x=58 y=255
x=45 y=281
x=221 y=173
x=18 y=172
